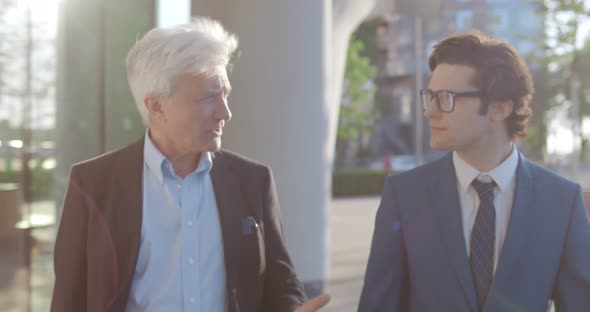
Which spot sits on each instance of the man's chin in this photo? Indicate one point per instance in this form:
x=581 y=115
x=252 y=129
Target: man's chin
x=437 y=146
x=215 y=146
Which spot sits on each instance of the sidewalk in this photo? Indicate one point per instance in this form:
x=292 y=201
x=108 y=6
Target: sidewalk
x=351 y=227
x=351 y=230
x=13 y=273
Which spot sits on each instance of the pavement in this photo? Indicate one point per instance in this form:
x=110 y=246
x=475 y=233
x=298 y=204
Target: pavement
x=13 y=271
x=351 y=230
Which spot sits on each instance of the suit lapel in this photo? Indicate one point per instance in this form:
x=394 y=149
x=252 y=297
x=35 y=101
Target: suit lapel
x=228 y=195
x=518 y=232
x=124 y=216
x=448 y=211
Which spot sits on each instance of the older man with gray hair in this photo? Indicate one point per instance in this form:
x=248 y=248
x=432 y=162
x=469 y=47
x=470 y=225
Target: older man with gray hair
x=172 y=222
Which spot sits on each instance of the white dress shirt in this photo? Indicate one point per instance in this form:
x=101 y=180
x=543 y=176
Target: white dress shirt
x=505 y=177
x=181 y=265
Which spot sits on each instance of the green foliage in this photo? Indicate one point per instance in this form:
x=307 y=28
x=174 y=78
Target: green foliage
x=537 y=139
x=42 y=181
x=358 y=182
x=565 y=18
x=562 y=48
x=359 y=71
x=563 y=57
x=356 y=113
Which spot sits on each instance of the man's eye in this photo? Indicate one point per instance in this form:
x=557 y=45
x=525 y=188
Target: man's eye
x=209 y=97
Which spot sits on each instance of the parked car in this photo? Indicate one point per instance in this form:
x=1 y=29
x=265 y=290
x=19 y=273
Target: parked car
x=395 y=163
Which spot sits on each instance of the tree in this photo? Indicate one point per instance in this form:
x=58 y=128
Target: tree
x=7 y=41
x=16 y=45
x=356 y=114
x=564 y=51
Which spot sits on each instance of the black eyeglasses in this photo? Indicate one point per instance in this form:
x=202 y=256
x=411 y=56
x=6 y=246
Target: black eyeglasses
x=445 y=99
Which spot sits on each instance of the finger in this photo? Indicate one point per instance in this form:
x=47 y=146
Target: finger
x=315 y=304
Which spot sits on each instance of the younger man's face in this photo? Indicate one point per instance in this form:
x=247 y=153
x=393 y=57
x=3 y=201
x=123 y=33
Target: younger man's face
x=464 y=128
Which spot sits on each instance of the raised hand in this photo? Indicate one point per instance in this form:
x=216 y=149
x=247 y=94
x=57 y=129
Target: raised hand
x=314 y=304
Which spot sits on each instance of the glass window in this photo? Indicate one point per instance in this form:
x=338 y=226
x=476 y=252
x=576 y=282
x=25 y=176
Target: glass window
x=530 y=20
x=464 y=20
x=500 y=20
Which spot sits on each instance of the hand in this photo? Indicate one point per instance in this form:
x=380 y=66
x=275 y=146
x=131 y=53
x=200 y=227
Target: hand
x=314 y=304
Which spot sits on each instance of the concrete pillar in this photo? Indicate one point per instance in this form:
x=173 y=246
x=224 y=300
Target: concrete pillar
x=287 y=85
x=280 y=114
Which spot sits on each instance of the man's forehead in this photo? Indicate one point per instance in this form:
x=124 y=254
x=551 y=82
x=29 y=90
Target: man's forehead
x=216 y=73
x=213 y=78
x=448 y=76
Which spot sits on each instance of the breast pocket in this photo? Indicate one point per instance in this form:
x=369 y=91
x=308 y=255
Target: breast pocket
x=252 y=248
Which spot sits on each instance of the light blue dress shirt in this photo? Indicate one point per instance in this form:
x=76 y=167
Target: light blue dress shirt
x=181 y=263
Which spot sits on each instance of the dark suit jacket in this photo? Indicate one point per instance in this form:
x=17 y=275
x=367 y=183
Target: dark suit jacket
x=419 y=261
x=99 y=235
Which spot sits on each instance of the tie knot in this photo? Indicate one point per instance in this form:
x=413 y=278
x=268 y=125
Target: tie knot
x=484 y=190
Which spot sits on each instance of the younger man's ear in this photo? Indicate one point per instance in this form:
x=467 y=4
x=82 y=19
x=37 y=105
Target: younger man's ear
x=500 y=110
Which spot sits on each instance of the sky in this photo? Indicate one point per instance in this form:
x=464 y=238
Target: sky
x=173 y=12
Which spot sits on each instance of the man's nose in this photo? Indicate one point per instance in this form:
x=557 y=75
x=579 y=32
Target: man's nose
x=223 y=111
x=432 y=110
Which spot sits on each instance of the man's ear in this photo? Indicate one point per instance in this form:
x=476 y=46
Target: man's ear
x=500 y=110
x=155 y=107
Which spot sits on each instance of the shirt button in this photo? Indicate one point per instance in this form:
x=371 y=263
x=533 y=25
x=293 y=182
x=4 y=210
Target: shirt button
x=192 y=300
x=190 y=223
x=191 y=260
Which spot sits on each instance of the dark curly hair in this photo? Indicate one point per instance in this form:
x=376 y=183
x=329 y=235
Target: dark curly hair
x=501 y=73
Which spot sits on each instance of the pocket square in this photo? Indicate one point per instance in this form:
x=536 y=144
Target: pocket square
x=249 y=225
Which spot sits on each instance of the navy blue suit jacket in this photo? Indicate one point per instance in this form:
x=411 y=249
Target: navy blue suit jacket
x=419 y=262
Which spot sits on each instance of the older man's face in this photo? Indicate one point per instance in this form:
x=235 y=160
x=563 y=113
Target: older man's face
x=197 y=111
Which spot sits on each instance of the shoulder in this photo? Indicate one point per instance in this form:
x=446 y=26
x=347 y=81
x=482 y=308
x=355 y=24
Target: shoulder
x=419 y=175
x=241 y=164
x=237 y=160
x=546 y=179
x=103 y=165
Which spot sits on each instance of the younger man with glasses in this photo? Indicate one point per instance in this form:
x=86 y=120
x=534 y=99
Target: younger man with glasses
x=482 y=229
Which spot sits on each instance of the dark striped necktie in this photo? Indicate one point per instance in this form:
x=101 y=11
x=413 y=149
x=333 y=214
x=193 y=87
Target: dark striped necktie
x=483 y=238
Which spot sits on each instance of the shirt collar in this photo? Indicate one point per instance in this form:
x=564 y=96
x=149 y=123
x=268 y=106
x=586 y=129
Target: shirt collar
x=153 y=158
x=205 y=163
x=158 y=163
x=503 y=174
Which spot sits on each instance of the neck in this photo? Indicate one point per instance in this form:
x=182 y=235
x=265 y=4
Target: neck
x=183 y=162
x=488 y=156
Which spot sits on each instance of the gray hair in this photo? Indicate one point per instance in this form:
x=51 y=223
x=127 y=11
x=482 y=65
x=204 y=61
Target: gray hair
x=163 y=55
